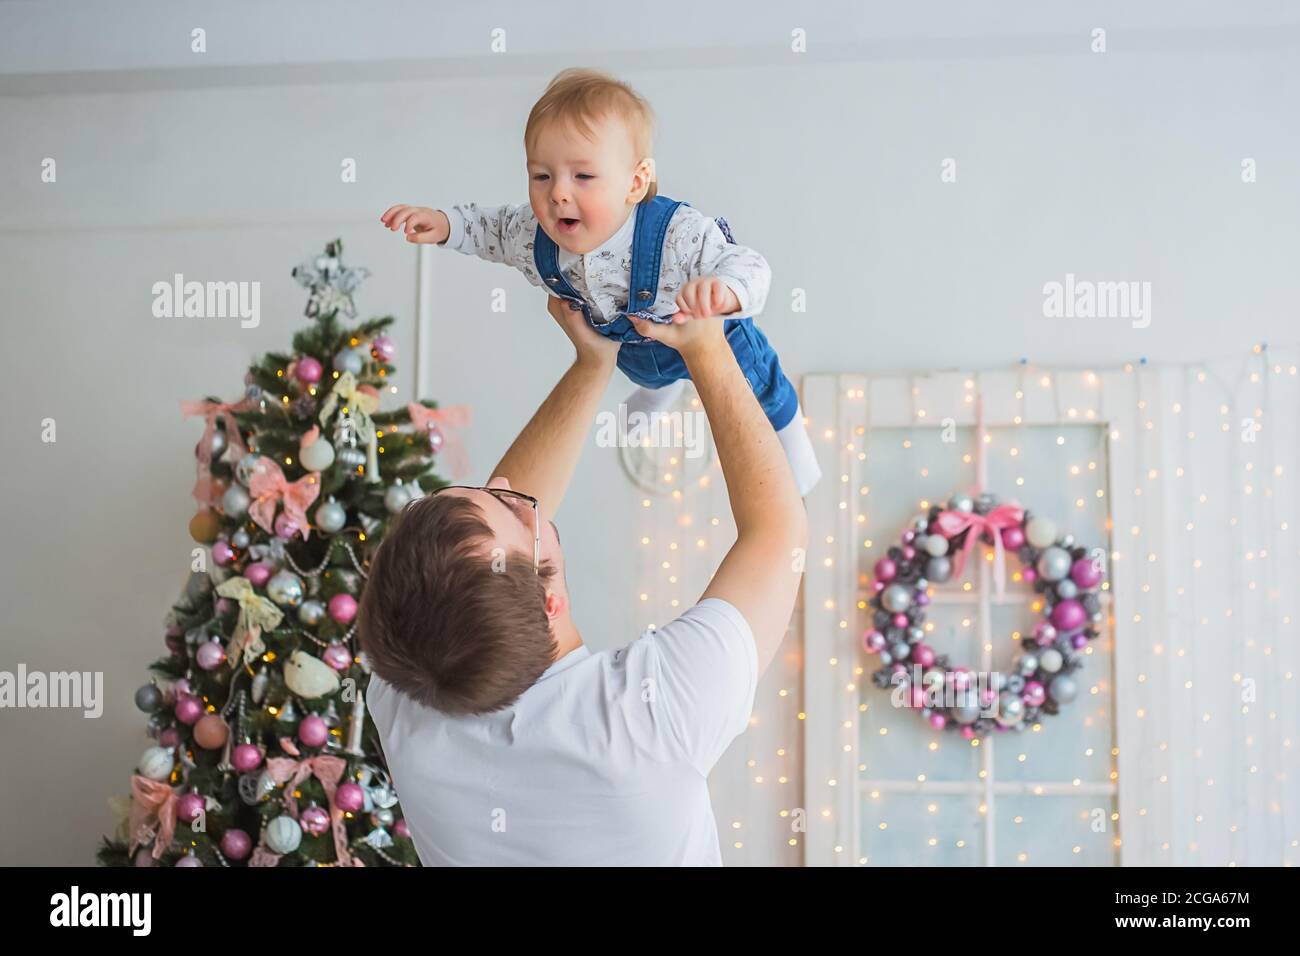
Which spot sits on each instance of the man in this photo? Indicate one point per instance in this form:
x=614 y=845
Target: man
x=509 y=741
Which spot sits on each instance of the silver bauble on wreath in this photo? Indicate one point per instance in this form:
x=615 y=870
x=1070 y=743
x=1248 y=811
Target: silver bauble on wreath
x=939 y=570
x=1066 y=589
x=1054 y=564
x=285 y=588
x=1040 y=532
x=896 y=598
x=1011 y=710
x=962 y=503
x=1050 y=660
x=234 y=503
x=1063 y=689
x=936 y=545
x=1028 y=664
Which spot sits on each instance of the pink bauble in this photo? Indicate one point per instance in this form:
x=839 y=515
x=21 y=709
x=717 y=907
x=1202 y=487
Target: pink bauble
x=909 y=536
x=987 y=696
x=1030 y=575
x=312 y=731
x=401 y=829
x=1085 y=573
x=938 y=721
x=222 y=552
x=1044 y=634
x=189 y=807
x=189 y=862
x=169 y=738
x=337 y=656
x=210 y=655
x=314 y=820
x=258 y=574
x=1013 y=538
x=143 y=857
x=1069 y=615
x=246 y=757
x=921 y=599
x=968 y=732
x=886 y=569
x=350 y=797
x=308 y=370
x=383 y=348
x=182 y=686
x=909 y=552
x=188 y=708
x=1079 y=641
x=898 y=667
x=923 y=654
x=900 y=620
x=1034 y=694
x=286 y=527
x=225 y=606
x=878 y=586
x=917 y=696
x=873 y=641
x=211 y=732
x=343 y=608
x=236 y=844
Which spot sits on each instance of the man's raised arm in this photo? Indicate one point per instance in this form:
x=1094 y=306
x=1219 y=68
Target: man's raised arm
x=541 y=460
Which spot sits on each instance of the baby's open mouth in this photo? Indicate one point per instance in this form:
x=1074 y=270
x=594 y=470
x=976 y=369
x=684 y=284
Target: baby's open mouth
x=566 y=223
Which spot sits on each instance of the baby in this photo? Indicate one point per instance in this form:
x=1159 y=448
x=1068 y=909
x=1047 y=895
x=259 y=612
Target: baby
x=596 y=232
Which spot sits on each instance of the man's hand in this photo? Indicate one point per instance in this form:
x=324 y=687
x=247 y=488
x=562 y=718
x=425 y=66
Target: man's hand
x=683 y=334
x=421 y=223
x=706 y=296
x=589 y=344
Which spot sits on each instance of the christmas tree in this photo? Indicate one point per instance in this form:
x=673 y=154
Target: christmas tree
x=265 y=754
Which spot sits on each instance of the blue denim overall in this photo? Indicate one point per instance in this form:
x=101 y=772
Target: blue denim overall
x=652 y=364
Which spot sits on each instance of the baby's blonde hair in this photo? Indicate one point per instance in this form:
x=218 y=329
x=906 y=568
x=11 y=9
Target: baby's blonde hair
x=582 y=97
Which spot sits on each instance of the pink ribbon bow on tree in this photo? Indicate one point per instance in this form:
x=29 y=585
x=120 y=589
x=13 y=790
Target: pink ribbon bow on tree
x=329 y=771
x=152 y=802
x=268 y=486
x=204 y=488
x=953 y=523
x=448 y=420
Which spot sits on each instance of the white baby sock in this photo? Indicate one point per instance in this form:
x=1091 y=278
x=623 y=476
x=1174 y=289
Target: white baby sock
x=799 y=452
x=649 y=400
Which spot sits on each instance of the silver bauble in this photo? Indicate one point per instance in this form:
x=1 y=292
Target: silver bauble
x=962 y=503
x=967 y=710
x=939 y=570
x=896 y=597
x=240 y=538
x=348 y=361
x=283 y=834
x=311 y=613
x=1011 y=710
x=382 y=817
x=351 y=457
x=1063 y=689
x=234 y=503
x=317 y=456
x=1054 y=564
x=285 y=588
x=156 y=763
x=1028 y=664
x=396 y=497
x=900 y=651
x=148 y=698
x=247 y=468
x=936 y=545
x=331 y=516
x=1040 y=532
x=260 y=680
x=1066 y=589
x=920 y=523
x=1050 y=660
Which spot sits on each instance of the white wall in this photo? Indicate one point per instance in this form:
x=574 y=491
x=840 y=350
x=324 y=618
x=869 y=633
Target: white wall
x=1122 y=166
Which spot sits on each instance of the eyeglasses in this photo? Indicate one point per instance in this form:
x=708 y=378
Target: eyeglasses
x=505 y=496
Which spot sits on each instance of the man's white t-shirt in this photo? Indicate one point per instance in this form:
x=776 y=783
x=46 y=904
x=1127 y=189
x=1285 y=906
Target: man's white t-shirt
x=603 y=762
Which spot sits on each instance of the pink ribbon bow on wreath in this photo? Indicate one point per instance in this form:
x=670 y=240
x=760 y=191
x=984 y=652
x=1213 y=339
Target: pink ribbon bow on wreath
x=329 y=771
x=204 y=489
x=268 y=486
x=953 y=523
x=152 y=802
x=449 y=420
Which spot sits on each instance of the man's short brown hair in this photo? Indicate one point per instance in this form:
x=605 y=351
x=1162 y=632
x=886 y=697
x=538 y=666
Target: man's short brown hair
x=446 y=621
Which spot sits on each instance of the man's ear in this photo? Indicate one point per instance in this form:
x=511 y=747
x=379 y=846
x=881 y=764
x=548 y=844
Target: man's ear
x=555 y=605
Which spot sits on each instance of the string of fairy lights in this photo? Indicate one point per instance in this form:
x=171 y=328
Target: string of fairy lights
x=678 y=544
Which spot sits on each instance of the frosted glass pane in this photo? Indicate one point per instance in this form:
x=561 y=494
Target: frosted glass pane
x=911 y=821
x=1045 y=831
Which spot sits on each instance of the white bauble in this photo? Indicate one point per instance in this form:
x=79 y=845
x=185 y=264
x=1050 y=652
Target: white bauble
x=156 y=763
x=317 y=456
x=283 y=834
x=1040 y=532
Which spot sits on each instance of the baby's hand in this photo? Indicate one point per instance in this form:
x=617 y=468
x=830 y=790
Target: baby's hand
x=706 y=296
x=422 y=224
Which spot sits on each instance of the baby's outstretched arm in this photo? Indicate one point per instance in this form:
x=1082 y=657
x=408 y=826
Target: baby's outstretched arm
x=494 y=233
x=421 y=223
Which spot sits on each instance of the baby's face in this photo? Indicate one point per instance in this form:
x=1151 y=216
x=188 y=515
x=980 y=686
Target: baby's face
x=582 y=190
